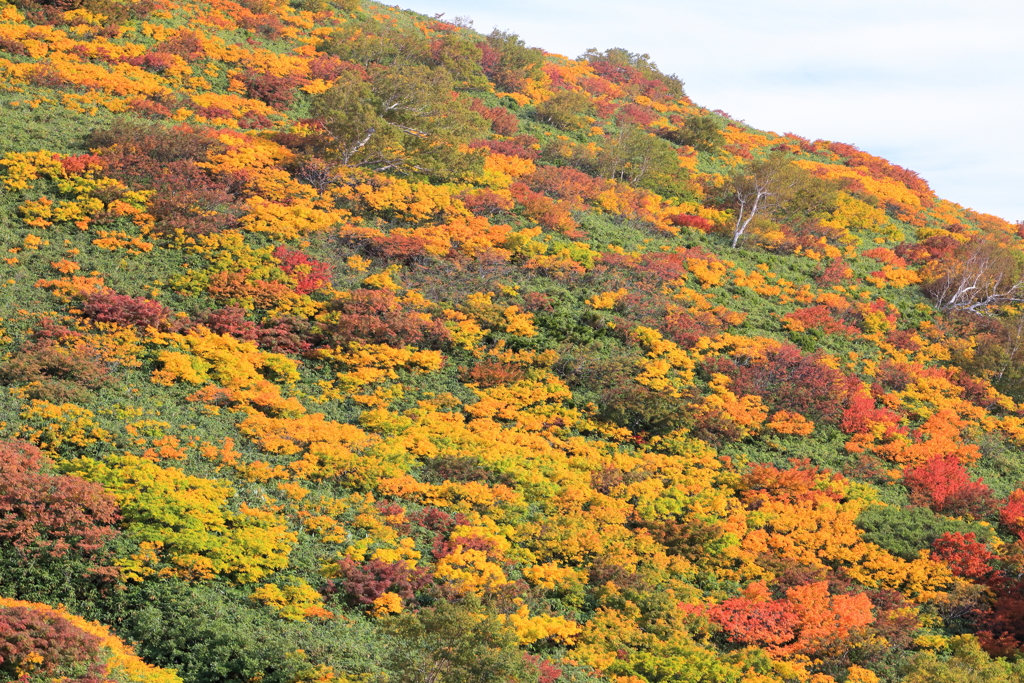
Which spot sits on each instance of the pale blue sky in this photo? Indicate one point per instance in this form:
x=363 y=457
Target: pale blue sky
x=935 y=86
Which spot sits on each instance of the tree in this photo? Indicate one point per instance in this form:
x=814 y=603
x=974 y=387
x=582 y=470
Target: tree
x=703 y=133
x=380 y=43
x=566 y=110
x=641 y=158
x=461 y=56
x=404 y=119
x=775 y=188
x=978 y=277
x=377 y=43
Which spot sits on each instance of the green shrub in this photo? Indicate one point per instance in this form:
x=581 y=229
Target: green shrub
x=211 y=633
x=451 y=643
x=905 y=531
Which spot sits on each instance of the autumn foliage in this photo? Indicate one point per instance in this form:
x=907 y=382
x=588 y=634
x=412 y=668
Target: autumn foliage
x=339 y=343
x=944 y=485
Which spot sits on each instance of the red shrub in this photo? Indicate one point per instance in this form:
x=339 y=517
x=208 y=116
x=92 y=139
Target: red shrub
x=79 y=163
x=787 y=379
x=1012 y=514
x=47 y=76
x=230 y=320
x=883 y=255
x=503 y=122
x=48 y=330
x=739 y=150
x=537 y=302
x=822 y=318
x=377 y=316
x=211 y=112
x=977 y=391
x=686 y=328
x=394 y=515
x=157 y=62
x=903 y=339
x=605 y=107
x=456 y=468
x=893 y=376
x=547 y=672
x=635 y=114
x=55 y=373
x=28 y=636
x=51 y=515
x=364 y=583
x=895 y=618
x=406 y=249
x=965 y=556
x=550 y=213
x=267 y=25
x=233 y=288
x=275 y=90
x=663 y=265
x=796 y=483
x=880 y=168
x=566 y=183
x=326 y=67
x=507 y=64
x=861 y=414
x=685 y=219
x=186 y=197
x=253 y=120
x=687 y=539
x=943 y=484
x=934 y=247
x=13 y=46
x=109 y=307
x=520 y=146
x=288 y=334
x=771 y=622
x=185 y=43
x=436 y=519
x=630 y=77
x=599 y=86
x=492 y=372
x=444 y=547
x=1001 y=626
x=486 y=202
x=836 y=272
x=148 y=107
x=309 y=273
x=671 y=265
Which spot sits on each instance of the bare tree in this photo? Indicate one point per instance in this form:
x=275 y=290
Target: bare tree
x=980 y=276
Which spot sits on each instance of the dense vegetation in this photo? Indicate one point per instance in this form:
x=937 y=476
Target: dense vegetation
x=339 y=343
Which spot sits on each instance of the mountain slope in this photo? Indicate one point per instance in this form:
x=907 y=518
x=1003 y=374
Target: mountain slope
x=350 y=344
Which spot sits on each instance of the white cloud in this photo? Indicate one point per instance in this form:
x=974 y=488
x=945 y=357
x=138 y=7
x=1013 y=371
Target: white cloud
x=935 y=86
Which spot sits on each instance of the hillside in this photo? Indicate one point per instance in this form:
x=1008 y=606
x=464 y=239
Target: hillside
x=343 y=344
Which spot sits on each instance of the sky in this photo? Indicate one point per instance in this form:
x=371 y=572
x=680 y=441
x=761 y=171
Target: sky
x=936 y=87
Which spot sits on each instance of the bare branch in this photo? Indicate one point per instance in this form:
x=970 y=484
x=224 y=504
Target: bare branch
x=980 y=277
